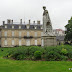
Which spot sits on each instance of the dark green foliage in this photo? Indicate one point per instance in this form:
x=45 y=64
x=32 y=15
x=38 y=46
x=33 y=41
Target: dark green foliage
x=52 y=56
x=68 y=31
x=64 y=51
x=63 y=58
x=52 y=53
x=37 y=55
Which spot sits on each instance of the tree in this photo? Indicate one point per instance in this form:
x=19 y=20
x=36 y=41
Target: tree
x=68 y=31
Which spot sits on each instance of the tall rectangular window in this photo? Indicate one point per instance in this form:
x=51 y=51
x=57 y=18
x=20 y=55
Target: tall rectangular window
x=20 y=33
x=20 y=42
x=12 y=33
x=5 y=42
x=27 y=33
x=35 y=34
x=35 y=42
x=5 y=33
x=12 y=42
x=28 y=42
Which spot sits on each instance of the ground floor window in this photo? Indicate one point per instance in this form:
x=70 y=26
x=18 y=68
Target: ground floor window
x=35 y=42
x=5 y=42
x=28 y=42
x=12 y=42
x=19 y=42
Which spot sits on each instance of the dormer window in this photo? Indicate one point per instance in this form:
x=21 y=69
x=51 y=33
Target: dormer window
x=35 y=27
x=5 y=26
x=41 y=27
x=12 y=27
x=27 y=27
x=19 y=27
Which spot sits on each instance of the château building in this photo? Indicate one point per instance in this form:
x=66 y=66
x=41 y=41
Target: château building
x=20 y=34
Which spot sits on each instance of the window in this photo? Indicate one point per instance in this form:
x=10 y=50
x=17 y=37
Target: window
x=5 y=33
x=19 y=42
x=35 y=34
x=19 y=33
x=27 y=33
x=5 y=42
x=41 y=27
x=12 y=27
x=41 y=33
x=5 y=26
x=27 y=27
x=12 y=33
x=19 y=27
x=35 y=42
x=12 y=42
x=28 y=42
x=35 y=27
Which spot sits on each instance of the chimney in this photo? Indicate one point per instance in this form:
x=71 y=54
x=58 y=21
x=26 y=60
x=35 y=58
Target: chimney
x=29 y=21
x=34 y=22
x=38 y=22
x=8 y=21
x=3 y=22
x=20 y=21
x=12 y=21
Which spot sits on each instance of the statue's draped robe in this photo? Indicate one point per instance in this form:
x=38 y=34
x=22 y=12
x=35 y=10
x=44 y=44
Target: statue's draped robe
x=47 y=27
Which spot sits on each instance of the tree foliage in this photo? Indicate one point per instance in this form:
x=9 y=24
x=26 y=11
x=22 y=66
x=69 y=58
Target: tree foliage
x=68 y=31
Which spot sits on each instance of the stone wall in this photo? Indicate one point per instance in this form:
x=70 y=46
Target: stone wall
x=16 y=37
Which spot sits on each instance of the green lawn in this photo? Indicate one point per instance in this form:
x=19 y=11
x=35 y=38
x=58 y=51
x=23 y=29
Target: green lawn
x=7 y=65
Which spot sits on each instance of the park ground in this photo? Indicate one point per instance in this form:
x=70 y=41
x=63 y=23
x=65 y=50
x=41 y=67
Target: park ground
x=8 y=65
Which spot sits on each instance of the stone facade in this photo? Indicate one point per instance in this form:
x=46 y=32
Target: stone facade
x=19 y=36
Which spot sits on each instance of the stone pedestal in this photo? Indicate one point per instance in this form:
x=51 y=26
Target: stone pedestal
x=48 y=41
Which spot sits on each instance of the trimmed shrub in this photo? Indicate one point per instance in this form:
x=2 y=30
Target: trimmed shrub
x=37 y=55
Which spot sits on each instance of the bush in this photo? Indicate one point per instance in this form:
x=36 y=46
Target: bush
x=37 y=55
x=52 y=56
x=20 y=57
x=52 y=53
x=70 y=54
x=64 y=58
x=64 y=51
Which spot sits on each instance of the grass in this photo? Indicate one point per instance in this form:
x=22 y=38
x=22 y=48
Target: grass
x=7 y=65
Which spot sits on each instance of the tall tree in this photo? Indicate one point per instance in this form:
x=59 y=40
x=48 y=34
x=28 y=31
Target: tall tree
x=68 y=32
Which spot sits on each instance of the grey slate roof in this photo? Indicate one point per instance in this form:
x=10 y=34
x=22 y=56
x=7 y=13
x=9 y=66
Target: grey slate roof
x=23 y=26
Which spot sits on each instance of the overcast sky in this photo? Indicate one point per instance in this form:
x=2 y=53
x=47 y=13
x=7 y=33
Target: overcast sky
x=60 y=11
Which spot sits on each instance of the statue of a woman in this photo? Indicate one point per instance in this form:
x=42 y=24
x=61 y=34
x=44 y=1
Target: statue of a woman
x=47 y=27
